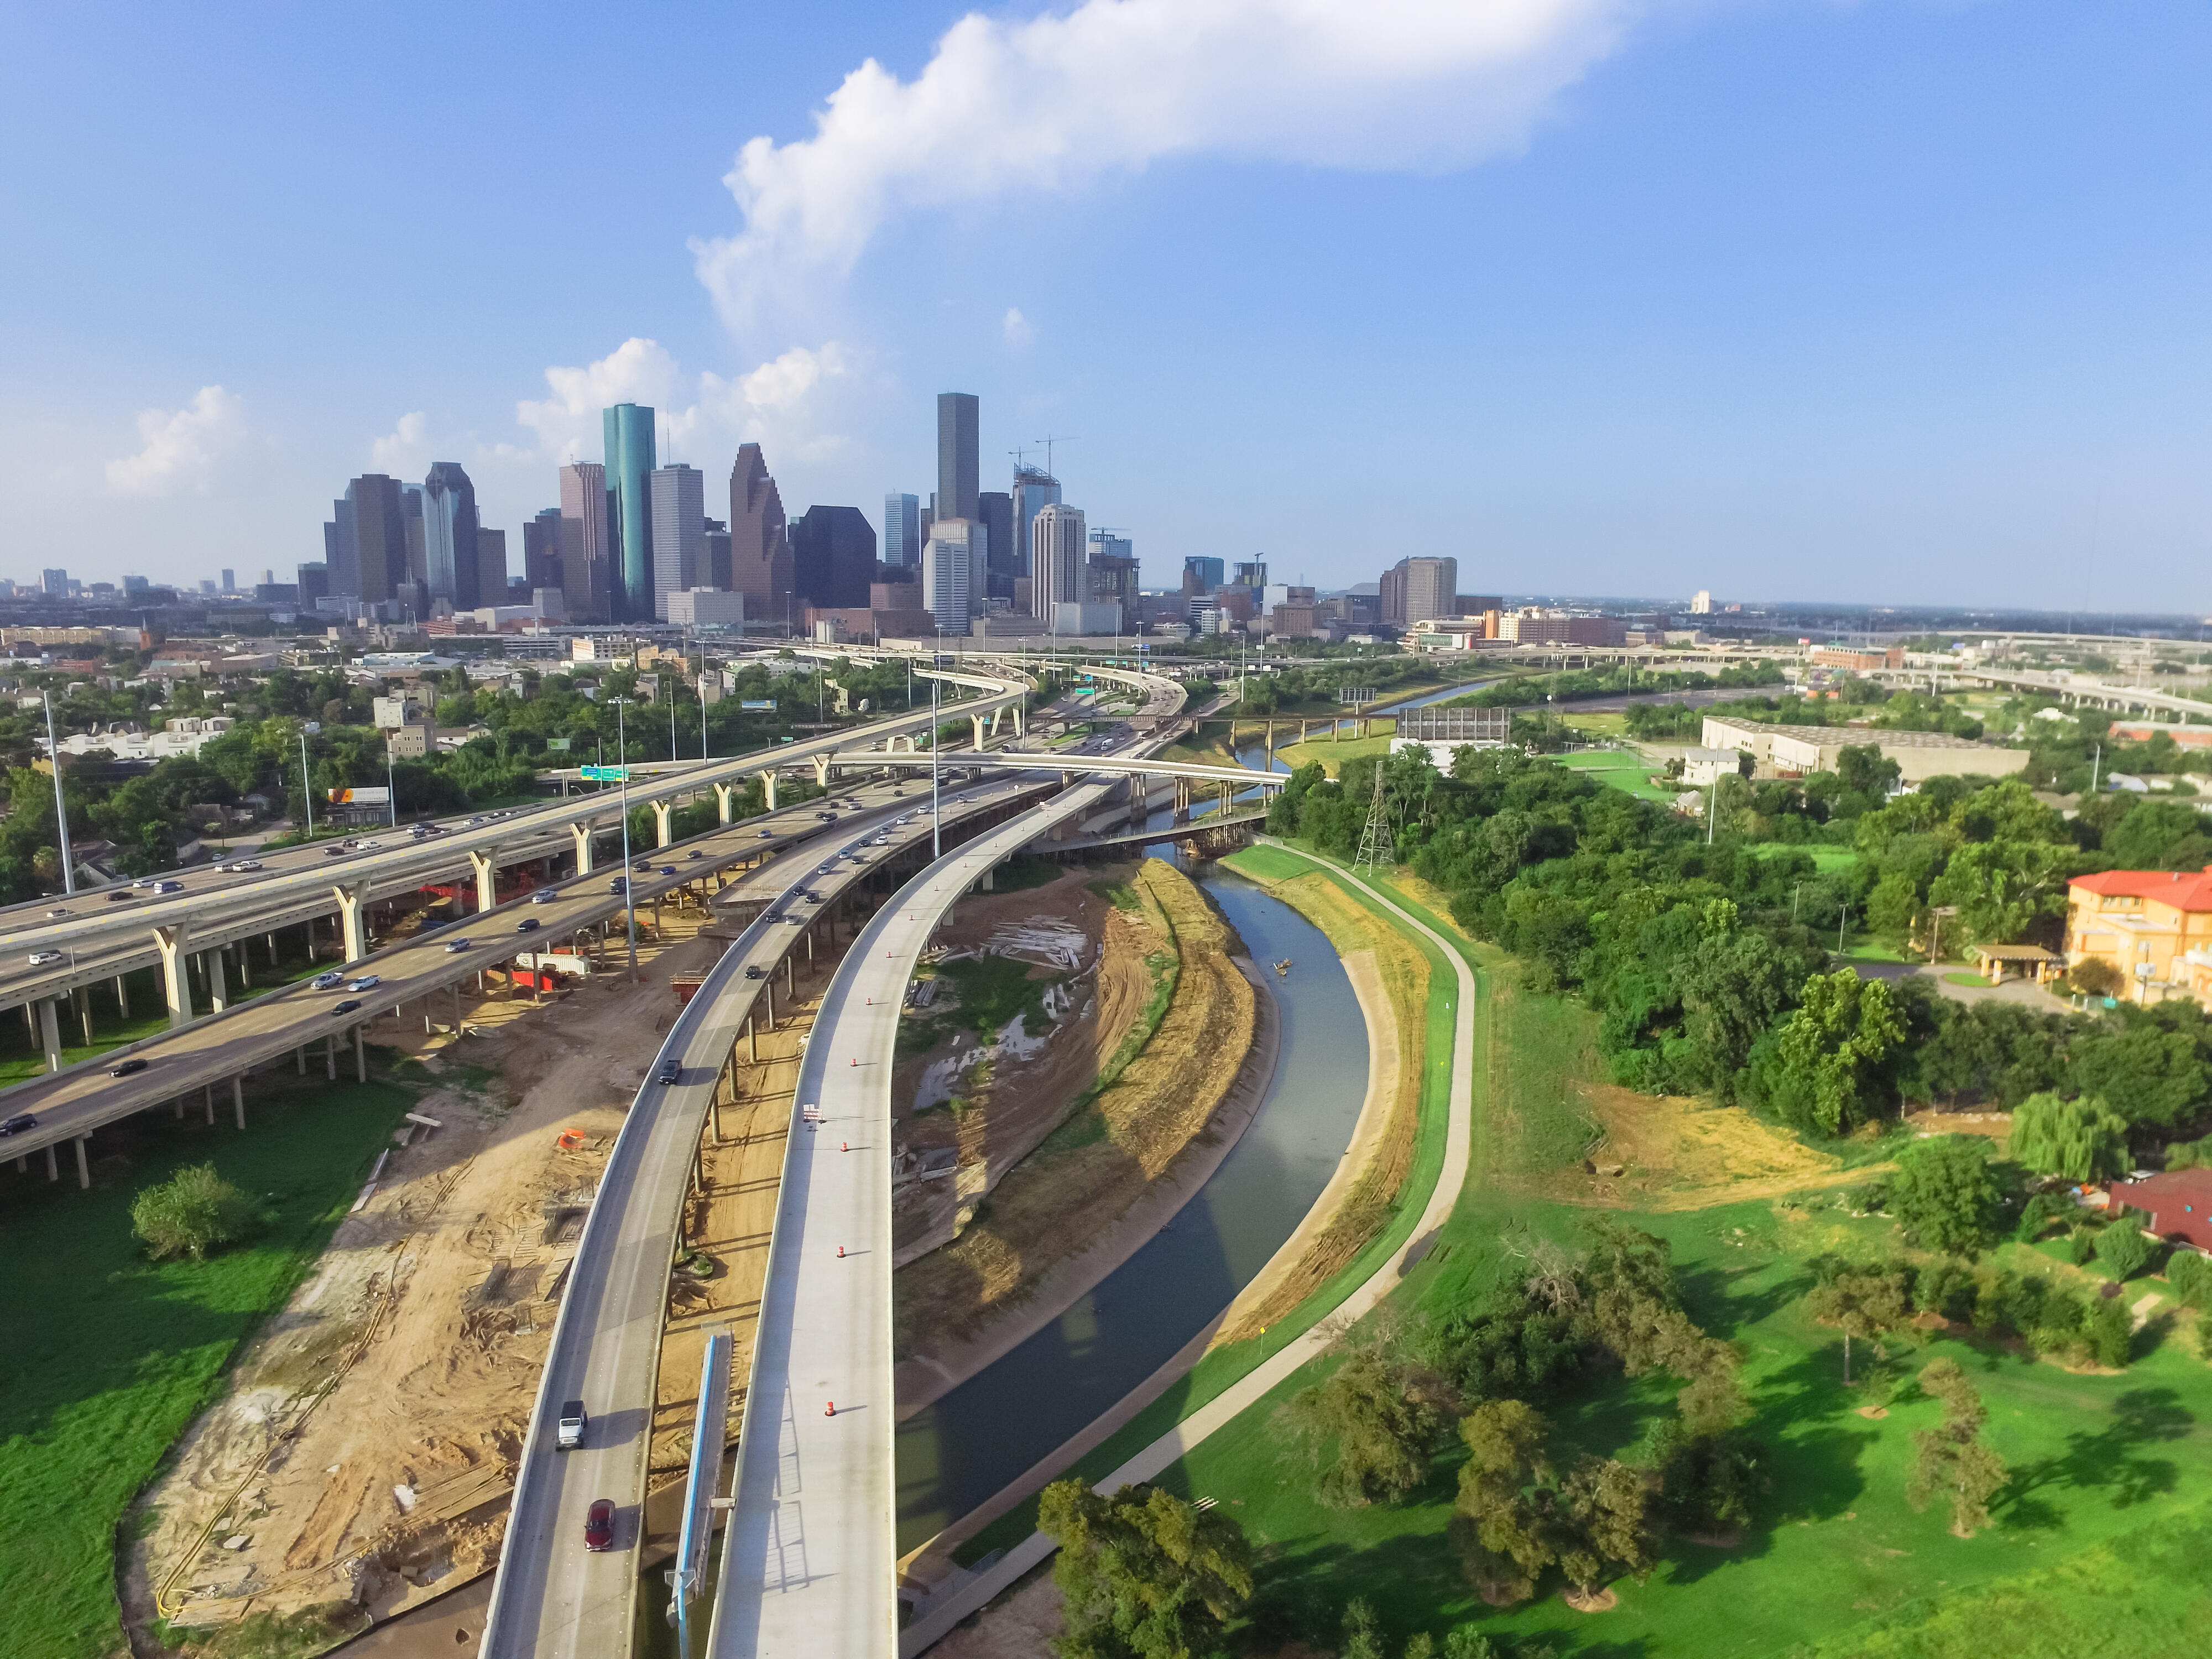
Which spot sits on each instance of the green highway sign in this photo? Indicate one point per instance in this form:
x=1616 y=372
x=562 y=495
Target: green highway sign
x=603 y=773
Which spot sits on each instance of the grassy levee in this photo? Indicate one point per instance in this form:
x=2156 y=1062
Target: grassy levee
x=1222 y=1366
x=110 y=1356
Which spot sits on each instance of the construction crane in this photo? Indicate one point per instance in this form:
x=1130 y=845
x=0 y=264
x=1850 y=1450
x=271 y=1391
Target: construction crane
x=1049 y=441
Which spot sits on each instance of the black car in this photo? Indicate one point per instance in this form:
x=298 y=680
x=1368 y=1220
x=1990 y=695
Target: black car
x=754 y=970
x=527 y=925
x=346 y=1008
x=128 y=1068
x=21 y=1123
x=670 y=1070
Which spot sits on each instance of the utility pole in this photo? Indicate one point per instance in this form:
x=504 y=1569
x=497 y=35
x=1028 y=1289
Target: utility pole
x=629 y=895
x=1375 y=843
x=61 y=806
x=306 y=785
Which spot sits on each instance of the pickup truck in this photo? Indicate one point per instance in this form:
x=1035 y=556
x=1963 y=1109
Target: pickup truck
x=569 y=1431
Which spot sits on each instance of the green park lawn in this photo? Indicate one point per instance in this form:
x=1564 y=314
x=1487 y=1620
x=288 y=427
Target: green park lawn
x=1827 y=860
x=110 y=1356
x=1619 y=768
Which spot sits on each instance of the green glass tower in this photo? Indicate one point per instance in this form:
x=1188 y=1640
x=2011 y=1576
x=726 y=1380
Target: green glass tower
x=630 y=464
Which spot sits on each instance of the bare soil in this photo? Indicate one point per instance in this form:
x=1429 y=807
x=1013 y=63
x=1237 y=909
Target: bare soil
x=1676 y=1152
x=364 y=1449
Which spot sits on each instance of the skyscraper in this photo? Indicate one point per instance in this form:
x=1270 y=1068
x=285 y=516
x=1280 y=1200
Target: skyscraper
x=1200 y=574
x=902 y=529
x=629 y=445
x=833 y=558
x=417 y=564
x=449 y=538
x=679 y=533
x=491 y=571
x=229 y=581
x=958 y=548
x=586 y=521
x=341 y=560
x=1057 y=545
x=314 y=581
x=1420 y=590
x=541 y=549
x=377 y=549
x=716 y=573
x=1112 y=575
x=959 y=478
x=1034 y=489
x=1252 y=573
x=760 y=552
x=996 y=509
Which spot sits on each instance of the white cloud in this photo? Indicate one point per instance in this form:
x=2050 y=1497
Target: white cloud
x=1055 y=101
x=567 y=423
x=180 y=448
x=1017 y=326
x=402 y=452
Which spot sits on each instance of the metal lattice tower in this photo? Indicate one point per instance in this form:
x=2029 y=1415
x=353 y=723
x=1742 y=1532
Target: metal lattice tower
x=1377 y=846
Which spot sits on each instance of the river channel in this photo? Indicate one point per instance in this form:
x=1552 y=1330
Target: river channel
x=954 y=1454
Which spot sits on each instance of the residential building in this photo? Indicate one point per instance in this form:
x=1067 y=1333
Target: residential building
x=1201 y=574
x=959 y=478
x=760 y=548
x=2144 y=924
x=491 y=567
x=833 y=558
x=1057 y=545
x=956 y=550
x=1034 y=490
x=716 y=571
x=449 y=539
x=679 y=509
x=902 y=529
x=2183 y=737
x=1532 y=627
x=586 y=552
x=541 y=549
x=996 y=509
x=1794 y=750
x=629 y=433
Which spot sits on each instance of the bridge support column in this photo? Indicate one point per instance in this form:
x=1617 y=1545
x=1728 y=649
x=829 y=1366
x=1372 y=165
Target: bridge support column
x=238 y=1101
x=360 y=1053
x=976 y=721
x=485 y=865
x=581 y=833
x=661 y=809
x=123 y=995
x=83 y=1170
x=246 y=965
x=217 y=982
x=790 y=977
x=330 y=1057
x=349 y=901
x=768 y=782
x=53 y=1170
x=299 y=1054
x=50 y=1033
x=752 y=1037
x=176 y=982
x=210 y=1105
x=82 y=997
x=821 y=769
x=1021 y=720
x=771 y=1004
x=722 y=792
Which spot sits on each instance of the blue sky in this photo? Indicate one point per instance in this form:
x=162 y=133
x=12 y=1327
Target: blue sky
x=1887 y=302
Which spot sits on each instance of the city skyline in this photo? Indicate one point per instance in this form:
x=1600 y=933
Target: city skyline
x=1670 y=312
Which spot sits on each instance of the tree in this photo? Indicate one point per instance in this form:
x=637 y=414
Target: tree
x=1498 y=1524
x=2003 y=888
x=1945 y=1193
x=1383 y=1420
x=2124 y=1249
x=193 y=1212
x=2081 y=1139
x=1893 y=910
x=1143 y=1575
x=1952 y=1459
x=2191 y=1276
x=1602 y=1503
x=2093 y=976
x=1860 y=1302
x=1825 y=1066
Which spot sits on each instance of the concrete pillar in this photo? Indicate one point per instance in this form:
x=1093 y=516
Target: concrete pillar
x=661 y=810
x=245 y=966
x=50 y=1033
x=767 y=781
x=771 y=1002
x=582 y=832
x=330 y=1057
x=976 y=721
x=485 y=864
x=178 y=1114
x=176 y=983
x=752 y=1036
x=349 y=901
x=299 y=1054
x=83 y=1170
x=53 y=1170
x=360 y=1057
x=790 y=977
x=238 y=1101
x=210 y=1105
x=821 y=769
x=722 y=794
x=810 y=947
x=82 y=997
x=1021 y=720
x=217 y=983
x=123 y=995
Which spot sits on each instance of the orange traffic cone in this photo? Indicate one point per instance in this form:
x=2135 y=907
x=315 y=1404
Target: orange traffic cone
x=830 y=1409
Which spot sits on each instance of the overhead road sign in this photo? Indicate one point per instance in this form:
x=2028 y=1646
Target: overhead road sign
x=603 y=773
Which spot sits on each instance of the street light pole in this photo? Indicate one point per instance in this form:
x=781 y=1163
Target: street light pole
x=61 y=807
x=936 y=843
x=306 y=785
x=391 y=784
x=629 y=897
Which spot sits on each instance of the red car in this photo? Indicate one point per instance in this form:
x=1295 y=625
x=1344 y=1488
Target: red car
x=600 y=1525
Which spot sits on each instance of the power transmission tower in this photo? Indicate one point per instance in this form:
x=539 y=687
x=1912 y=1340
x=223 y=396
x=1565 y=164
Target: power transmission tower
x=1377 y=845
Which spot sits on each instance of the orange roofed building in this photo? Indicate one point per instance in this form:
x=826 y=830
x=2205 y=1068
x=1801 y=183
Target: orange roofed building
x=2155 y=926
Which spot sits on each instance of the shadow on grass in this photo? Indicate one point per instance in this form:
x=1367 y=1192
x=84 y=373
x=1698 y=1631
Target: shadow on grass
x=2110 y=1459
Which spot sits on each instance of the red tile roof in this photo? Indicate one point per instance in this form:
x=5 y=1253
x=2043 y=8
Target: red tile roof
x=2179 y=1203
x=2184 y=890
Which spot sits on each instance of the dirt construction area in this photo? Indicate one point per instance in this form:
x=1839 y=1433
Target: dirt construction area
x=366 y=1447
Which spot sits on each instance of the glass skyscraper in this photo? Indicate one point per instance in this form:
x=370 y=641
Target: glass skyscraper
x=449 y=539
x=1034 y=489
x=630 y=465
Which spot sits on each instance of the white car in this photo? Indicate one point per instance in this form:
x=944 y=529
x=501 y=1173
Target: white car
x=365 y=982
x=41 y=958
x=370 y=846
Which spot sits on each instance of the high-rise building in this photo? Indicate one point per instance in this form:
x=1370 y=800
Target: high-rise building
x=1701 y=604
x=1201 y=574
x=1113 y=576
x=833 y=558
x=490 y=568
x=417 y=539
x=1420 y=590
x=630 y=446
x=959 y=475
x=679 y=533
x=374 y=555
x=1251 y=572
x=1058 y=542
x=996 y=509
x=715 y=573
x=54 y=584
x=760 y=552
x=1034 y=489
x=449 y=539
x=902 y=529
x=340 y=557
x=587 y=527
x=958 y=548
x=229 y=582
x=541 y=549
x=314 y=583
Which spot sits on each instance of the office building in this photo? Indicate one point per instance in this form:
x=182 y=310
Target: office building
x=1251 y=574
x=996 y=509
x=491 y=566
x=449 y=539
x=367 y=541
x=956 y=550
x=959 y=477
x=1201 y=574
x=1034 y=489
x=541 y=549
x=679 y=500
x=705 y=607
x=586 y=576
x=760 y=548
x=627 y=429
x=902 y=529
x=1058 y=544
x=416 y=538
x=833 y=558
x=715 y=573
x=1113 y=576
x=229 y=582
x=1701 y=602
x=54 y=584
x=313 y=584
x=1420 y=590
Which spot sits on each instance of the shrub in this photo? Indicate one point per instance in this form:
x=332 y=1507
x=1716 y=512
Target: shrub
x=2190 y=1275
x=193 y=1212
x=2110 y=1330
x=2125 y=1250
x=2037 y=1215
x=1945 y=1193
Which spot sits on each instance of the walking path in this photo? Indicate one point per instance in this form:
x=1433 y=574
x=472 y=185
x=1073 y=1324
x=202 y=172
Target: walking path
x=1218 y=1413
